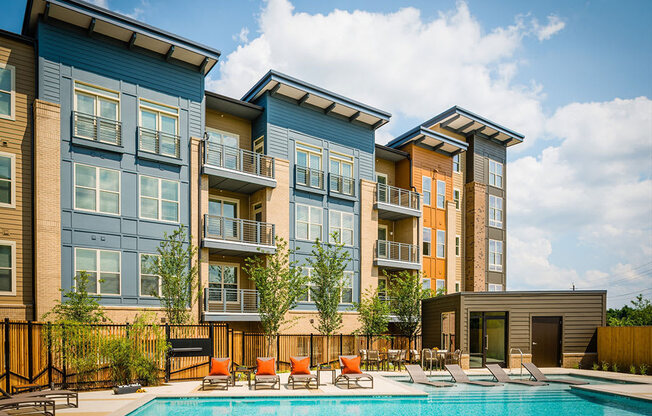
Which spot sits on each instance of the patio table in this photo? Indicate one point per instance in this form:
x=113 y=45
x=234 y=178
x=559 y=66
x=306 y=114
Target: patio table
x=243 y=370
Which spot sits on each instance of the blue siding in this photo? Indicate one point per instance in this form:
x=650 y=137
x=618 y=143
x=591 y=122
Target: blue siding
x=66 y=55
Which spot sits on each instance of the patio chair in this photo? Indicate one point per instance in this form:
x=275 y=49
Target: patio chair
x=537 y=375
x=502 y=377
x=266 y=374
x=300 y=373
x=428 y=358
x=220 y=375
x=48 y=394
x=38 y=404
x=454 y=357
x=364 y=357
x=373 y=357
x=396 y=357
x=459 y=376
x=351 y=373
x=415 y=357
x=419 y=377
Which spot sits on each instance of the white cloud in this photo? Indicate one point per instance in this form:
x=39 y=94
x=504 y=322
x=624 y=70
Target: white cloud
x=555 y=24
x=242 y=36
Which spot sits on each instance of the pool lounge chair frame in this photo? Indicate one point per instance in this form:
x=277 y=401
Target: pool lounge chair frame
x=459 y=376
x=303 y=380
x=272 y=382
x=47 y=394
x=356 y=378
x=222 y=382
x=38 y=404
x=502 y=377
x=418 y=376
x=537 y=375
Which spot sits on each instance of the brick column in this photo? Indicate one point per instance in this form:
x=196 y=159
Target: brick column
x=368 y=234
x=197 y=185
x=476 y=237
x=451 y=260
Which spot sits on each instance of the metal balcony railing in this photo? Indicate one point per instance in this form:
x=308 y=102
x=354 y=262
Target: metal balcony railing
x=96 y=128
x=228 y=300
x=238 y=230
x=390 y=250
x=342 y=184
x=312 y=178
x=158 y=142
x=398 y=196
x=242 y=160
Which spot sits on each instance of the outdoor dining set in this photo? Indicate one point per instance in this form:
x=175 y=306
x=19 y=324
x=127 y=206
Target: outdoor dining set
x=391 y=359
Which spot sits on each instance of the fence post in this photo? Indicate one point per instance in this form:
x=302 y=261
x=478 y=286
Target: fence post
x=341 y=340
x=210 y=336
x=63 y=355
x=30 y=352
x=50 y=382
x=367 y=341
x=278 y=350
x=243 y=348
x=7 y=362
x=311 y=361
x=167 y=353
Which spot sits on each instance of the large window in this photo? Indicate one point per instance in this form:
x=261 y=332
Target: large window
x=222 y=137
x=223 y=278
x=342 y=223
x=159 y=199
x=341 y=173
x=150 y=284
x=441 y=194
x=457 y=245
x=495 y=256
x=347 y=288
x=427 y=239
x=426 y=186
x=495 y=211
x=441 y=244
x=98 y=113
x=440 y=286
x=7 y=180
x=493 y=287
x=159 y=129
x=7 y=91
x=382 y=288
x=7 y=267
x=97 y=189
x=308 y=222
x=495 y=174
x=308 y=161
x=456 y=198
x=308 y=294
x=102 y=267
x=456 y=163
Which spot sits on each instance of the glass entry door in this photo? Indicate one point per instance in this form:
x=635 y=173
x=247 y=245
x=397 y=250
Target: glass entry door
x=487 y=338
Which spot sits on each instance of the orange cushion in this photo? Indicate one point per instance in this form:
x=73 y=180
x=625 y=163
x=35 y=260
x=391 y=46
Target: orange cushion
x=300 y=366
x=219 y=367
x=351 y=365
x=265 y=367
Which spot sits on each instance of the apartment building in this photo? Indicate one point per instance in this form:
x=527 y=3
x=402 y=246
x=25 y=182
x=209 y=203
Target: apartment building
x=17 y=88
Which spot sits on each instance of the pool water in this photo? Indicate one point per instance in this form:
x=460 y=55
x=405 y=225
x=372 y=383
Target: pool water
x=513 y=400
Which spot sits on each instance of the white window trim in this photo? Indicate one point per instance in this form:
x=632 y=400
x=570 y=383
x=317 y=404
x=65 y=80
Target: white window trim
x=443 y=206
x=173 y=112
x=97 y=190
x=493 y=267
x=79 y=87
x=493 y=222
x=12 y=203
x=11 y=244
x=310 y=149
x=140 y=274
x=385 y=293
x=501 y=176
x=425 y=179
x=310 y=284
x=341 y=227
x=296 y=220
x=458 y=201
x=342 y=158
x=429 y=242
x=237 y=278
x=260 y=141
x=438 y=282
x=225 y=133
x=352 y=274
x=160 y=199
x=438 y=243
x=382 y=175
x=458 y=245
x=98 y=271
x=459 y=163
x=495 y=287
x=223 y=199
x=12 y=101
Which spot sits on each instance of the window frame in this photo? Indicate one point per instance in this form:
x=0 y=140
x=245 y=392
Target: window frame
x=221 y=264
x=493 y=222
x=341 y=228
x=13 y=268
x=458 y=202
x=224 y=133
x=442 y=195
x=426 y=200
x=78 y=87
x=341 y=158
x=96 y=189
x=458 y=245
x=352 y=275
x=441 y=244
x=494 y=255
x=494 y=287
x=428 y=241
x=457 y=161
x=140 y=275
x=493 y=175
x=159 y=199
x=443 y=285
x=153 y=107
x=310 y=285
x=12 y=93
x=259 y=143
x=12 y=180
x=384 y=294
x=98 y=272
x=296 y=221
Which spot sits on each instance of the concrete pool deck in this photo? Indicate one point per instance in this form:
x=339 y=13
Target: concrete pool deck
x=105 y=403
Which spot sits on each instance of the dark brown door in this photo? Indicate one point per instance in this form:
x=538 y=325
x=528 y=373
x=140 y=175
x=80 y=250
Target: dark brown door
x=546 y=341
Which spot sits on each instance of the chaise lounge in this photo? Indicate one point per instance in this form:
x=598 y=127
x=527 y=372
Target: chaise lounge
x=502 y=377
x=33 y=404
x=48 y=394
x=459 y=376
x=419 y=377
x=300 y=373
x=220 y=374
x=537 y=375
x=350 y=365
x=266 y=374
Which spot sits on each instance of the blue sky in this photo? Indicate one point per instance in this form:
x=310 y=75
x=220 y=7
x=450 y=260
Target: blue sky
x=574 y=77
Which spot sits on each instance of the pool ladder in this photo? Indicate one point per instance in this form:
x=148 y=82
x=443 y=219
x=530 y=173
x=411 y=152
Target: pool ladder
x=520 y=352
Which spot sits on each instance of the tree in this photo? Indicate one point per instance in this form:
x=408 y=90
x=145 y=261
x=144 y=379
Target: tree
x=328 y=262
x=180 y=286
x=406 y=293
x=78 y=306
x=280 y=283
x=373 y=314
x=639 y=314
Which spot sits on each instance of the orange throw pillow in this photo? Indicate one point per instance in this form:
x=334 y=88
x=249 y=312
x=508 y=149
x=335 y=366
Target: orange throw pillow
x=300 y=366
x=351 y=365
x=265 y=367
x=219 y=367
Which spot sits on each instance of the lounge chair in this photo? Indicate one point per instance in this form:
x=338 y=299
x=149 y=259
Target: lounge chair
x=38 y=404
x=502 y=377
x=354 y=375
x=217 y=377
x=266 y=374
x=459 y=376
x=419 y=377
x=537 y=375
x=48 y=394
x=300 y=377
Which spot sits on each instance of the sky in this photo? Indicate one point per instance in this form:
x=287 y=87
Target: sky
x=572 y=76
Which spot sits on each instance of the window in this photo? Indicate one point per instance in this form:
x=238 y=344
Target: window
x=341 y=170
x=7 y=91
x=308 y=222
x=441 y=244
x=150 y=284
x=222 y=137
x=307 y=296
x=259 y=145
x=456 y=198
x=97 y=189
x=309 y=166
x=457 y=246
x=425 y=284
x=98 y=113
x=159 y=129
x=456 y=163
x=223 y=280
x=347 y=288
x=457 y=287
x=495 y=174
x=495 y=211
x=159 y=199
x=441 y=194
x=426 y=185
x=426 y=241
x=495 y=287
x=342 y=223
x=102 y=267
x=382 y=288
x=7 y=180
x=495 y=256
x=7 y=267
x=441 y=286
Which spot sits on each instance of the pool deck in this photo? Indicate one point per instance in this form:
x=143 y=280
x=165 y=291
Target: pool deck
x=105 y=403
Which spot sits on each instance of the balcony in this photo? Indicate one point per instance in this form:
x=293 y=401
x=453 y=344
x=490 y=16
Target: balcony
x=96 y=131
x=159 y=146
x=309 y=179
x=395 y=203
x=221 y=304
x=342 y=186
x=391 y=255
x=237 y=237
x=237 y=170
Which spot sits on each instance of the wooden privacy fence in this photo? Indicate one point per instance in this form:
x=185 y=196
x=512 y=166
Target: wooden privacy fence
x=625 y=345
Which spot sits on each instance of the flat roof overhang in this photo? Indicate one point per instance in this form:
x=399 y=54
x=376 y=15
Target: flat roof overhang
x=236 y=181
x=432 y=140
x=232 y=106
x=132 y=32
x=393 y=212
x=396 y=264
x=315 y=97
x=391 y=154
x=235 y=247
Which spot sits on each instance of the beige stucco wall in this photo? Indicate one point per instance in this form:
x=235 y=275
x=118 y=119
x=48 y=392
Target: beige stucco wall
x=230 y=124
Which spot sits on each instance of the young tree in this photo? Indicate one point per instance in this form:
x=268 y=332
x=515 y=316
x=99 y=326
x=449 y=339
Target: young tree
x=373 y=314
x=407 y=292
x=328 y=262
x=180 y=286
x=78 y=306
x=280 y=283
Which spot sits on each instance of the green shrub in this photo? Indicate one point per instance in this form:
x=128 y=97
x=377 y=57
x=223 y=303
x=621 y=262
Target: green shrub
x=643 y=369
x=604 y=366
x=119 y=353
x=632 y=369
x=614 y=368
x=595 y=367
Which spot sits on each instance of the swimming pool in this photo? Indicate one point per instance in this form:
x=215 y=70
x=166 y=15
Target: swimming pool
x=512 y=400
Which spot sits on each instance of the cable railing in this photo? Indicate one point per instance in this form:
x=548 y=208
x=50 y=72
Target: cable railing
x=230 y=300
x=390 y=250
x=158 y=142
x=342 y=184
x=398 y=196
x=241 y=160
x=99 y=129
x=312 y=178
x=238 y=230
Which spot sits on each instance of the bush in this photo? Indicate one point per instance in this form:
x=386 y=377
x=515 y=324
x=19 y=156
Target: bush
x=604 y=366
x=632 y=369
x=643 y=369
x=614 y=368
x=595 y=366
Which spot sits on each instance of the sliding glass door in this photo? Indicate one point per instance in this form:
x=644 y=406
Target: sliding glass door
x=487 y=338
